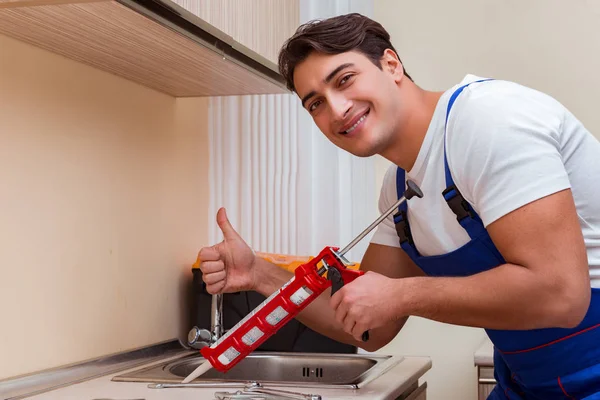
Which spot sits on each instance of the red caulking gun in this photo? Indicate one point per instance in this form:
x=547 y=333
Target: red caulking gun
x=285 y=303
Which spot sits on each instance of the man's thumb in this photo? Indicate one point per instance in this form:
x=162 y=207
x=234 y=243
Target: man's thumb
x=225 y=225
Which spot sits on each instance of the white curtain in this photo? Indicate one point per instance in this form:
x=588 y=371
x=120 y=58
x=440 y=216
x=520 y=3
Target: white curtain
x=286 y=188
x=254 y=150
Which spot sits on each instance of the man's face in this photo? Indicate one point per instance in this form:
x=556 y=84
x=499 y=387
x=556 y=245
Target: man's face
x=353 y=102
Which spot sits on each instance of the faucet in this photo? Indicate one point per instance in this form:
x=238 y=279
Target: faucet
x=199 y=338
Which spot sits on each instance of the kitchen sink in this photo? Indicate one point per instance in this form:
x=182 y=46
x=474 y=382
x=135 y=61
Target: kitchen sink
x=282 y=369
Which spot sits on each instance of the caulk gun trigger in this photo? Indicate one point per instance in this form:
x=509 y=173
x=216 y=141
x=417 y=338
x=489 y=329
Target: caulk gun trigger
x=336 y=279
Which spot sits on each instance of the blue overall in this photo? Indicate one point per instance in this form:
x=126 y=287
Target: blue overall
x=543 y=364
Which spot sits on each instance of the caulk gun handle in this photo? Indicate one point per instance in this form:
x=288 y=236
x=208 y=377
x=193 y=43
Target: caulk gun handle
x=336 y=284
x=412 y=190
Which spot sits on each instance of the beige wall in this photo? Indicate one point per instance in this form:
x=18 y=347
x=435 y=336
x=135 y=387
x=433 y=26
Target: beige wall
x=550 y=45
x=103 y=205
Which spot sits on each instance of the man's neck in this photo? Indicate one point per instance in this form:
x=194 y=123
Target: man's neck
x=411 y=133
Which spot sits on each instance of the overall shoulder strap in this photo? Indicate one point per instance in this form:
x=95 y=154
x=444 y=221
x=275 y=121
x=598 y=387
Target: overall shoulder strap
x=465 y=214
x=401 y=219
x=457 y=92
x=400 y=187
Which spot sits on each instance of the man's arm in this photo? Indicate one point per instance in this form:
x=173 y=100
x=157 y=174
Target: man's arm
x=545 y=282
x=504 y=150
x=319 y=316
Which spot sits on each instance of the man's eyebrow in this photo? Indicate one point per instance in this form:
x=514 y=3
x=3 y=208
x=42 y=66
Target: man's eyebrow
x=327 y=79
x=335 y=71
x=308 y=96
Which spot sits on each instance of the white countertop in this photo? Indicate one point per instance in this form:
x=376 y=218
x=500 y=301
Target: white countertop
x=388 y=386
x=484 y=356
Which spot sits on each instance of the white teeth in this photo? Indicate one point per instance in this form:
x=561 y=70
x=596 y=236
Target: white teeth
x=357 y=123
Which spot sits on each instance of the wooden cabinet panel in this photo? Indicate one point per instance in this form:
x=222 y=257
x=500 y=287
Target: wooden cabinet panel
x=261 y=25
x=29 y=3
x=117 y=39
x=486 y=381
x=420 y=393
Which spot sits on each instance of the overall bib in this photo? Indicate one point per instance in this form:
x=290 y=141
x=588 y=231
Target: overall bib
x=543 y=364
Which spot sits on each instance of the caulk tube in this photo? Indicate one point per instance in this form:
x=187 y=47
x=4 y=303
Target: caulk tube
x=273 y=313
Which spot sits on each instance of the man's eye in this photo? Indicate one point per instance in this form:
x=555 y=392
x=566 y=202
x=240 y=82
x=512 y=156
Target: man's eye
x=314 y=106
x=345 y=79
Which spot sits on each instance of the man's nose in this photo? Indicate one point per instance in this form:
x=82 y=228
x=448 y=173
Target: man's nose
x=340 y=107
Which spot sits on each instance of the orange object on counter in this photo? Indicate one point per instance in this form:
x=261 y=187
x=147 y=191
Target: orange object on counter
x=285 y=261
x=291 y=262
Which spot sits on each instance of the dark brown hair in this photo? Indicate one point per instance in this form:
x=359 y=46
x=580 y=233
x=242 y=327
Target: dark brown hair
x=334 y=36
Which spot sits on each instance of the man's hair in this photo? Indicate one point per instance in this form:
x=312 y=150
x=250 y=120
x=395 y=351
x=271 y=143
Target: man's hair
x=334 y=36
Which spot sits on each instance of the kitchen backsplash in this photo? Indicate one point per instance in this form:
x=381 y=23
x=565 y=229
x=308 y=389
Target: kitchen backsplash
x=104 y=205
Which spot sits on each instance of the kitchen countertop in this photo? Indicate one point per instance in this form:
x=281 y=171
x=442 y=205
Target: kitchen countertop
x=484 y=355
x=388 y=386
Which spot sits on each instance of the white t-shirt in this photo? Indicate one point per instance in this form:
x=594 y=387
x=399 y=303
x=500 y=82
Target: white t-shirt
x=507 y=145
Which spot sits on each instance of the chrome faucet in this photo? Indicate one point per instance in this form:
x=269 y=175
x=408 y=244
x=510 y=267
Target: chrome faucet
x=199 y=338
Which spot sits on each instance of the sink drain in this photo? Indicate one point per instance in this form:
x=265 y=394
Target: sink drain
x=307 y=372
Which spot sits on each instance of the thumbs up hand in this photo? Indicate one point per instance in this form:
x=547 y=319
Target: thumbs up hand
x=227 y=266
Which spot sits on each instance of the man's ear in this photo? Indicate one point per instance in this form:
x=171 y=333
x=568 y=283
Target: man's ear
x=391 y=64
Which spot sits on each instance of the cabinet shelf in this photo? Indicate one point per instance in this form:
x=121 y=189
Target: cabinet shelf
x=154 y=43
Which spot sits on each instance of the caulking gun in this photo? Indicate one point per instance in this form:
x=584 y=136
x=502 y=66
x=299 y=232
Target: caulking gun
x=287 y=302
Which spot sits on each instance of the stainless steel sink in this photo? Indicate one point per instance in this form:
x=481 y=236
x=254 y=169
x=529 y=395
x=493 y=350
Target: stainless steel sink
x=282 y=369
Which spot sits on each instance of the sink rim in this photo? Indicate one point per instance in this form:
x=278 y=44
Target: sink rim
x=161 y=372
x=267 y=355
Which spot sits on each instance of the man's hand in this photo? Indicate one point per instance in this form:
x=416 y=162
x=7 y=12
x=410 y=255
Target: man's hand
x=370 y=301
x=227 y=266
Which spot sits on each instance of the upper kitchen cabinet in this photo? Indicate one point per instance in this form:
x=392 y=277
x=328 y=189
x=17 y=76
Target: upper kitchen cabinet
x=182 y=48
x=261 y=25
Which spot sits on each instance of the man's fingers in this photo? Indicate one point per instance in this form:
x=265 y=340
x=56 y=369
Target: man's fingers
x=208 y=254
x=358 y=331
x=209 y=267
x=336 y=299
x=215 y=277
x=341 y=313
x=349 y=324
x=216 y=288
x=228 y=231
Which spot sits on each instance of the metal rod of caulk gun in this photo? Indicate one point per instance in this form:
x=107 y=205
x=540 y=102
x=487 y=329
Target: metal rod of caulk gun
x=412 y=190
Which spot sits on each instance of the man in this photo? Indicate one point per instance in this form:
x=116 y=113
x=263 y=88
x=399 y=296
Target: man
x=505 y=238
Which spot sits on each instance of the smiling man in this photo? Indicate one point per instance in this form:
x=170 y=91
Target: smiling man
x=505 y=238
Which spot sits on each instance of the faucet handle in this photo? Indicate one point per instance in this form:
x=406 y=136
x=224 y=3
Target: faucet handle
x=199 y=338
